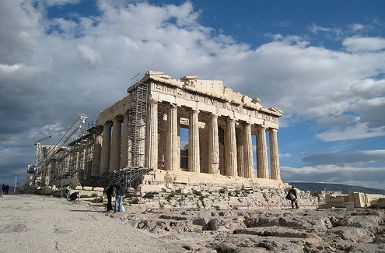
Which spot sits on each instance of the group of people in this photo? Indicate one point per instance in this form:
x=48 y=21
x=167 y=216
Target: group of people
x=119 y=192
x=5 y=189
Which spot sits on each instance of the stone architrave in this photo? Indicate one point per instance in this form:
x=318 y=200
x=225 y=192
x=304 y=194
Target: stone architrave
x=213 y=145
x=105 y=156
x=172 y=138
x=152 y=135
x=248 y=152
x=115 y=145
x=193 y=143
x=261 y=153
x=124 y=142
x=231 y=149
x=274 y=155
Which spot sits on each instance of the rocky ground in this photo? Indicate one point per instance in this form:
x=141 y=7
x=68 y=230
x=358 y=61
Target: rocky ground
x=31 y=223
x=264 y=230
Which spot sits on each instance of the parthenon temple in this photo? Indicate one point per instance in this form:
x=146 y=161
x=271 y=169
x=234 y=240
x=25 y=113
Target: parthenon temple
x=186 y=131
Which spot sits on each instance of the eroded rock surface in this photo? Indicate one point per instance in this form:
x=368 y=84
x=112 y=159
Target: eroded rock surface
x=265 y=230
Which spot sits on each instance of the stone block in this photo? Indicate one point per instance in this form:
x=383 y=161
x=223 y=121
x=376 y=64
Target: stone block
x=98 y=189
x=381 y=203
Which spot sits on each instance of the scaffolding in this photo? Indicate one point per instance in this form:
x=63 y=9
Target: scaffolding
x=132 y=176
x=55 y=165
x=138 y=126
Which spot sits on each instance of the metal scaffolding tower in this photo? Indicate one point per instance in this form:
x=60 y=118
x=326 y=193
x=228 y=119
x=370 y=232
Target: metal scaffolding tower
x=138 y=126
x=55 y=155
x=131 y=176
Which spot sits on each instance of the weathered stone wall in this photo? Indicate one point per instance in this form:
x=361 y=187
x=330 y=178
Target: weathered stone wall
x=203 y=197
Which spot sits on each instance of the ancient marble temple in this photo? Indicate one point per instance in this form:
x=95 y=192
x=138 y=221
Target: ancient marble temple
x=188 y=131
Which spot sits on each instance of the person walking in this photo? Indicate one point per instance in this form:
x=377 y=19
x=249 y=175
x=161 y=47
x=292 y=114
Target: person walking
x=119 y=197
x=109 y=191
x=292 y=196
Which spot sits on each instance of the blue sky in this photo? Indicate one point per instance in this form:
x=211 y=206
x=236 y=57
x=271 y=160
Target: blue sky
x=321 y=62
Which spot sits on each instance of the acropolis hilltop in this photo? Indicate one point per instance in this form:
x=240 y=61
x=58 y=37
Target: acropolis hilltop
x=139 y=137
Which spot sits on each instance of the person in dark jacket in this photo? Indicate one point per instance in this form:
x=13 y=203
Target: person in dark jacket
x=109 y=191
x=292 y=196
x=119 y=192
x=74 y=197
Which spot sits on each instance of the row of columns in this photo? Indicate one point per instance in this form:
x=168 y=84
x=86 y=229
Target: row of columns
x=114 y=152
x=231 y=161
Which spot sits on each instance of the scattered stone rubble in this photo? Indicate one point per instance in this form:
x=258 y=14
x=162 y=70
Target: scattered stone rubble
x=264 y=230
x=244 y=220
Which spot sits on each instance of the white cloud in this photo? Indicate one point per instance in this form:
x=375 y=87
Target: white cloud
x=361 y=158
x=367 y=177
x=315 y=28
x=53 y=77
x=6 y=69
x=359 y=131
x=88 y=53
x=356 y=27
x=284 y=155
x=60 y=2
x=363 y=44
x=320 y=29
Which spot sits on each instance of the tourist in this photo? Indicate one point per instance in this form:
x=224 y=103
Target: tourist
x=109 y=191
x=74 y=196
x=292 y=196
x=6 y=189
x=119 y=197
x=67 y=194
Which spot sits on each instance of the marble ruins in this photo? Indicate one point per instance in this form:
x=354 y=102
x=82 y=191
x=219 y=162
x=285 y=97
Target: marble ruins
x=176 y=131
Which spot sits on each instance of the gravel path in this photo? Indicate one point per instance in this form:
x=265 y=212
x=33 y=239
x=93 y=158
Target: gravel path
x=30 y=223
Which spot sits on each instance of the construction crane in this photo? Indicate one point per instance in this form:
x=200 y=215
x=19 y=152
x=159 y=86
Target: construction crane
x=34 y=168
x=63 y=141
x=39 y=153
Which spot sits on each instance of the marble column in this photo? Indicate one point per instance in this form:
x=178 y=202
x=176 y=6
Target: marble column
x=78 y=158
x=84 y=156
x=248 y=152
x=105 y=156
x=152 y=135
x=213 y=146
x=172 y=162
x=261 y=153
x=274 y=155
x=240 y=153
x=231 y=149
x=115 y=145
x=96 y=156
x=193 y=143
x=124 y=142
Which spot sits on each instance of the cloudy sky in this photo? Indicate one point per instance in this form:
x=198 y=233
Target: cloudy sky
x=321 y=62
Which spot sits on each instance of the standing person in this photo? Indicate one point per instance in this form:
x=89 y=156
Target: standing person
x=3 y=188
x=6 y=189
x=119 y=197
x=109 y=191
x=292 y=196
